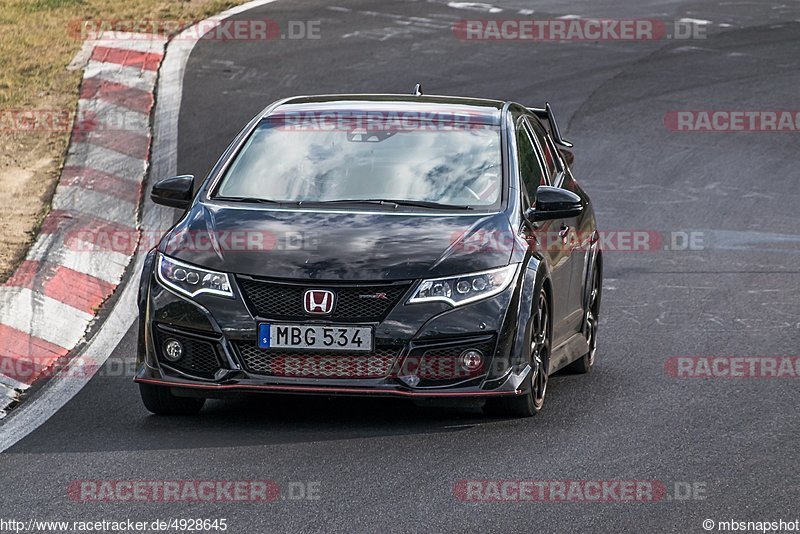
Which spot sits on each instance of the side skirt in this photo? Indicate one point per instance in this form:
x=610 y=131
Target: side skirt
x=569 y=351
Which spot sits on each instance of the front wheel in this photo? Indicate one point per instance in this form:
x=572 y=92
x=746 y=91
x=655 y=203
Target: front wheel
x=531 y=402
x=161 y=401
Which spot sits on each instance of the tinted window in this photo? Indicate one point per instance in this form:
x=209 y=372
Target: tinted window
x=550 y=156
x=529 y=168
x=413 y=161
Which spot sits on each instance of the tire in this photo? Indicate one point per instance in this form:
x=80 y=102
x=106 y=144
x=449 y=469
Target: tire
x=531 y=402
x=585 y=363
x=161 y=401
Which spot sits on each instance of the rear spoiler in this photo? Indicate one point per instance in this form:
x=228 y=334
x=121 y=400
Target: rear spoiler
x=547 y=116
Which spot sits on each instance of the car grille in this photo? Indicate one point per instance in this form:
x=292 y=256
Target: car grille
x=199 y=356
x=443 y=363
x=317 y=364
x=353 y=303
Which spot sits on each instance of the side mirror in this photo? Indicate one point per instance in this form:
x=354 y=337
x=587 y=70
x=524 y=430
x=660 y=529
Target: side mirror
x=175 y=192
x=554 y=203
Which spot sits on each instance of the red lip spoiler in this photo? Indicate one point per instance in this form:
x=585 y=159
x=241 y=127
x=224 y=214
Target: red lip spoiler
x=324 y=390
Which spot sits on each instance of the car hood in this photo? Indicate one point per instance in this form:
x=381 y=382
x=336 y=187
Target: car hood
x=340 y=245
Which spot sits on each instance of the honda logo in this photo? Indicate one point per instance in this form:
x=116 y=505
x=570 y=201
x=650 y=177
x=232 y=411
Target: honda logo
x=318 y=301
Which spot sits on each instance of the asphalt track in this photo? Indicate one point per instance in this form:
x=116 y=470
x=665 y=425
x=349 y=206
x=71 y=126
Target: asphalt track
x=390 y=465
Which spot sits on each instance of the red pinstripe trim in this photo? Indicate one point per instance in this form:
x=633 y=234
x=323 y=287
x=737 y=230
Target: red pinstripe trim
x=24 y=357
x=102 y=182
x=117 y=94
x=323 y=390
x=60 y=283
x=128 y=58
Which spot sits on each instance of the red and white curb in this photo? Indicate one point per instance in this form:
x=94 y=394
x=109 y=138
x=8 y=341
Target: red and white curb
x=49 y=302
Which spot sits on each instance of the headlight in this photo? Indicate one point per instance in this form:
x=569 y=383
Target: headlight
x=190 y=280
x=457 y=290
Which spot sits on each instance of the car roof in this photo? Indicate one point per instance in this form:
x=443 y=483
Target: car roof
x=490 y=109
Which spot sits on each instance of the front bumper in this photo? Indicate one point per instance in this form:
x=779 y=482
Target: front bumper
x=419 y=345
x=148 y=375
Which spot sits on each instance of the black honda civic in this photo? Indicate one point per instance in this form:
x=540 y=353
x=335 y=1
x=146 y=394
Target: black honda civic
x=398 y=245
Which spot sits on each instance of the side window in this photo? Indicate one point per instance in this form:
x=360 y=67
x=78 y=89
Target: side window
x=530 y=169
x=552 y=163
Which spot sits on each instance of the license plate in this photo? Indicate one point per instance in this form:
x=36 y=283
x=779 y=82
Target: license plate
x=298 y=336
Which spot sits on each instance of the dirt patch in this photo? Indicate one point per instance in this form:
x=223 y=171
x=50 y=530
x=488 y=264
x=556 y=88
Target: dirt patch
x=29 y=170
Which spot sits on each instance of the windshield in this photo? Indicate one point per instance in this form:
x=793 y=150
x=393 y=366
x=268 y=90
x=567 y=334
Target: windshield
x=436 y=163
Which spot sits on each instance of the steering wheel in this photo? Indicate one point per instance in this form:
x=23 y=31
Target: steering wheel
x=473 y=193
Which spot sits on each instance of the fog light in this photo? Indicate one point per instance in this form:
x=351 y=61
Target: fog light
x=471 y=360
x=173 y=350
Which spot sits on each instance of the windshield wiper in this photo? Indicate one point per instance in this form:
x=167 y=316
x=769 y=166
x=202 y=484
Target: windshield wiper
x=396 y=203
x=381 y=201
x=251 y=200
